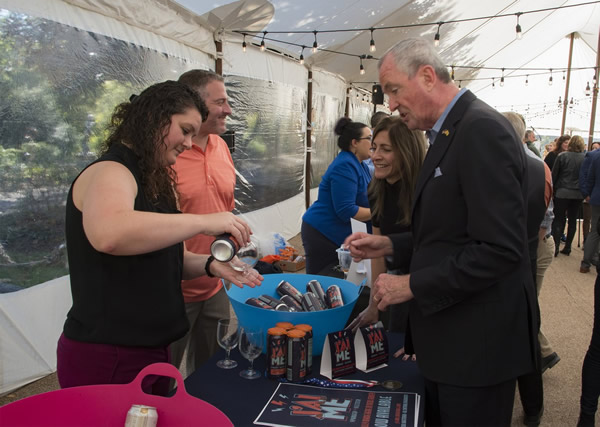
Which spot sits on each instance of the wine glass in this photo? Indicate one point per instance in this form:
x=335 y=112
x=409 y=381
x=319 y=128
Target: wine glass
x=227 y=337
x=251 y=345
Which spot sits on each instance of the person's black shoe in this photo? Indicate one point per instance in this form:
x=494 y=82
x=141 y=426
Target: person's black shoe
x=586 y=420
x=533 y=420
x=549 y=361
x=566 y=251
x=556 y=251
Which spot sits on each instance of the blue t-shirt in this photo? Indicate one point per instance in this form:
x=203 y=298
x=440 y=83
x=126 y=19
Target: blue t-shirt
x=342 y=191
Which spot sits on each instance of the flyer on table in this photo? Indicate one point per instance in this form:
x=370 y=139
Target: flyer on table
x=303 y=405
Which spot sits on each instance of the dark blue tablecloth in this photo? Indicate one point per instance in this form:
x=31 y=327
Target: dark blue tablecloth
x=242 y=400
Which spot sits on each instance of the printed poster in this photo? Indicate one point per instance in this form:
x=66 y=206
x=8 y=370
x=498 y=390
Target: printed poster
x=304 y=405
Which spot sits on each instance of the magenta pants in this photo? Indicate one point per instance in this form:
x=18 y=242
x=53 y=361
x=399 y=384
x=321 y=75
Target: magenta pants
x=82 y=363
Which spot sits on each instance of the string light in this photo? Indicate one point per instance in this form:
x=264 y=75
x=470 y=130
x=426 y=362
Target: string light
x=571 y=103
x=550 y=78
x=502 y=79
x=559 y=101
x=588 y=91
x=302 y=56
x=262 y=42
x=362 y=68
x=459 y=84
x=452 y=73
x=518 y=29
x=564 y=78
x=315 y=45
x=244 y=44
x=436 y=39
x=493 y=83
x=527 y=80
x=372 y=47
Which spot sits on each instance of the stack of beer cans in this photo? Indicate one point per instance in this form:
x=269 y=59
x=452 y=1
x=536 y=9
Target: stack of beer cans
x=291 y=299
x=289 y=351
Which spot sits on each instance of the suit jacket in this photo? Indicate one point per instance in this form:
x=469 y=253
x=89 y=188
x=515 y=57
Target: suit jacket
x=473 y=319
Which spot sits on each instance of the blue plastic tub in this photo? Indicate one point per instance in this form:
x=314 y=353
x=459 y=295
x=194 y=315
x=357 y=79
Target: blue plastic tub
x=323 y=322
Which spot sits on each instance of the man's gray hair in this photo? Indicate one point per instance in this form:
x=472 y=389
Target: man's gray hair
x=410 y=54
x=516 y=120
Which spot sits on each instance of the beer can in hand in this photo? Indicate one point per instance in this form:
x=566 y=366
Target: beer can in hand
x=334 y=296
x=141 y=416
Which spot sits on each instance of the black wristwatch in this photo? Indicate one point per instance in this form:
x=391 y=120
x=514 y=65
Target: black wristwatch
x=207 y=266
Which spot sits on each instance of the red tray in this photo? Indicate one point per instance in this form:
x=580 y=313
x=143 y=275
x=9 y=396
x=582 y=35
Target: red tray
x=107 y=405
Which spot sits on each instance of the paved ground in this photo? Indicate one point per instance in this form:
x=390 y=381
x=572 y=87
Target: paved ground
x=567 y=316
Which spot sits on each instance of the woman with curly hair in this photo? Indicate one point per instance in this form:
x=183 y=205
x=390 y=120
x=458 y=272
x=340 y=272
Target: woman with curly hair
x=124 y=244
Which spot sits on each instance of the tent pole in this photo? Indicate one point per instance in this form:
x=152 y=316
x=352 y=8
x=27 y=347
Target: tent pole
x=347 y=109
x=219 y=60
x=566 y=101
x=594 y=97
x=307 y=167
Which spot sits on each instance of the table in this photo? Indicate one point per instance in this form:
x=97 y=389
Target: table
x=242 y=400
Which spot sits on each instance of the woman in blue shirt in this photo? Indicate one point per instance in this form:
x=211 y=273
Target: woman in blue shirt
x=342 y=195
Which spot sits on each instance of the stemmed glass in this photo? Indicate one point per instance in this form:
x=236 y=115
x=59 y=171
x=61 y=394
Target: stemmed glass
x=227 y=337
x=251 y=345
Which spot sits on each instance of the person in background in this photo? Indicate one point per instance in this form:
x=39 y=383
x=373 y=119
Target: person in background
x=561 y=144
x=567 y=196
x=398 y=154
x=206 y=184
x=590 y=372
x=377 y=118
x=124 y=244
x=529 y=139
x=586 y=207
x=539 y=219
x=589 y=184
x=342 y=196
x=473 y=317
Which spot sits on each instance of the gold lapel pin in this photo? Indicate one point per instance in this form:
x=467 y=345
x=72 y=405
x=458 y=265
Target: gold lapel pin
x=446 y=132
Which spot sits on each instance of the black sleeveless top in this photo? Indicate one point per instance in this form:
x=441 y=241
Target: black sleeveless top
x=123 y=300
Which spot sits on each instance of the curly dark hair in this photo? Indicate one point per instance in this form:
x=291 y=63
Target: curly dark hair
x=142 y=124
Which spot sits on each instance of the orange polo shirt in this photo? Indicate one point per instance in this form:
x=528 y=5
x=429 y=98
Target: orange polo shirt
x=206 y=184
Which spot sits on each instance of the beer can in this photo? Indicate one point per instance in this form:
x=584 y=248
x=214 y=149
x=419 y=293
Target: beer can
x=276 y=353
x=284 y=325
x=315 y=287
x=334 y=296
x=284 y=288
x=141 y=416
x=310 y=302
x=224 y=247
x=275 y=303
x=291 y=303
x=258 y=303
x=309 y=345
x=296 y=355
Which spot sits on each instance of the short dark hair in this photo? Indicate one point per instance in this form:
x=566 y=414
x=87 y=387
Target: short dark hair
x=378 y=117
x=198 y=79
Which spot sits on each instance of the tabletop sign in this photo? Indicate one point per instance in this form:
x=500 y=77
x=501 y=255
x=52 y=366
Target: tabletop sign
x=338 y=358
x=372 y=350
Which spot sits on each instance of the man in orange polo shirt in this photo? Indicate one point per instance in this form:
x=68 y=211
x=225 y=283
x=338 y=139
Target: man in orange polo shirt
x=206 y=184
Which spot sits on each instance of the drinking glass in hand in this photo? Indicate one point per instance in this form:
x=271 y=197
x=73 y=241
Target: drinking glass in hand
x=227 y=337
x=251 y=345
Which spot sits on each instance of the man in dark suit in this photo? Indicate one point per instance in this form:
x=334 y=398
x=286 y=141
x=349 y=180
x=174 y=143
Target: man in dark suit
x=473 y=319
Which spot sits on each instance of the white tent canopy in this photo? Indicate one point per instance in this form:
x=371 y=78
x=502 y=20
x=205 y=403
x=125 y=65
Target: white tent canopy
x=188 y=30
